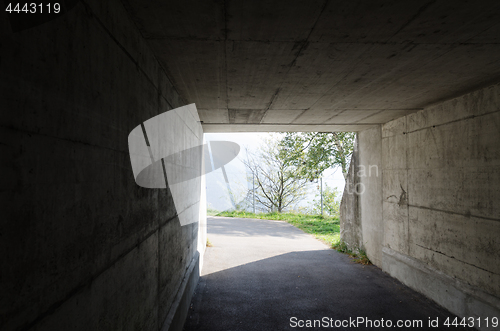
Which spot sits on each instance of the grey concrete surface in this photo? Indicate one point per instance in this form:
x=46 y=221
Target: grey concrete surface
x=445 y=163
x=260 y=273
x=341 y=64
x=349 y=213
x=82 y=246
x=437 y=217
x=77 y=232
x=370 y=178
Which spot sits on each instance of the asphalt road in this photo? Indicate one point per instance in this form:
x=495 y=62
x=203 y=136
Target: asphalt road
x=269 y=275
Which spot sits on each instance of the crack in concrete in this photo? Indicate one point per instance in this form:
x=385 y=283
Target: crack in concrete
x=454 y=121
x=452 y=257
x=467 y=214
x=414 y=17
x=110 y=35
x=88 y=282
x=303 y=46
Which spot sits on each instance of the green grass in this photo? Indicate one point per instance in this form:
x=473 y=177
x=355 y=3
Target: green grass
x=324 y=228
x=358 y=257
x=212 y=212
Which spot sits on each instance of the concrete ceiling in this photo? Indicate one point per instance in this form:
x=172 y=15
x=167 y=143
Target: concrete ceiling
x=306 y=65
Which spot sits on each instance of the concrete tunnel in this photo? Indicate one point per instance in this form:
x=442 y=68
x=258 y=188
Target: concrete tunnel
x=84 y=247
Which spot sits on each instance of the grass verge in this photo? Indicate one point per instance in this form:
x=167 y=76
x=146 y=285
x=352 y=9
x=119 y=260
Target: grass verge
x=358 y=257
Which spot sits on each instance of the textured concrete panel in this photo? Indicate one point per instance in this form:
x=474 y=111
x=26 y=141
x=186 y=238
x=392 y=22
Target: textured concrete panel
x=395 y=127
x=126 y=35
x=206 y=19
x=352 y=116
x=316 y=116
x=169 y=98
x=316 y=72
x=395 y=186
x=199 y=79
x=480 y=196
x=479 y=278
x=374 y=74
x=177 y=245
x=484 y=149
x=394 y=153
x=281 y=116
x=452 y=180
x=255 y=71
x=479 y=102
x=444 y=233
x=107 y=305
x=459 y=297
x=443 y=147
x=279 y=20
x=80 y=238
x=396 y=227
x=214 y=115
x=370 y=199
x=441 y=189
x=451 y=28
x=386 y=116
x=241 y=116
x=349 y=22
x=282 y=127
x=294 y=55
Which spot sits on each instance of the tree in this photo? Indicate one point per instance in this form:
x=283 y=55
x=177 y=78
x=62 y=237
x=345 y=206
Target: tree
x=277 y=183
x=330 y=204
x=314 y=152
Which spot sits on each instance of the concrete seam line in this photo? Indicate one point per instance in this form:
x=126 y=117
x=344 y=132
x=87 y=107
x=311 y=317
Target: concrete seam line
x=162 y=224
x=171 y=298
x=452 y=257
x=454 y=121
x=180 y=292
x=456 y=283
x=29 y=133
x=149 y=79
x=85 y=283
x=266 y=41
x=291 y=124
x=453 y=213
x=128 y=10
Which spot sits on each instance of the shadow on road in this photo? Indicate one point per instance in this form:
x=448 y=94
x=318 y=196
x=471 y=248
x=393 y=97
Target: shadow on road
x=308 y=285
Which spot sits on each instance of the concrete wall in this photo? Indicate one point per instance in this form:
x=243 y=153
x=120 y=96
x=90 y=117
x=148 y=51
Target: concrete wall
x=361 y=224
x=83 y=247
x=441 y=192
x=350 y=225
x=370 y=190
x=432 y=219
